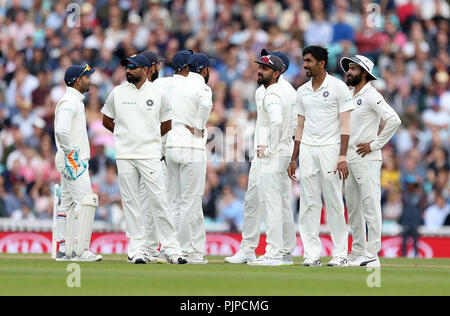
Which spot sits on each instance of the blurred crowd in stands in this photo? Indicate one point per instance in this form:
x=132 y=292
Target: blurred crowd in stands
x=407 y=39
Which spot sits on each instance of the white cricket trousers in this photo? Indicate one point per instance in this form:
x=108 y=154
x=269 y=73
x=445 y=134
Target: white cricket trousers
x=186 y=175
x=72 y=193
x=152 y=240
x=363 y=197
x=268 y=197
x=316 y=166
x=130 y=174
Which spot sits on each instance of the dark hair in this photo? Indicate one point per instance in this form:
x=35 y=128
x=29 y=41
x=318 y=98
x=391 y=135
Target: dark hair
x=319 y=53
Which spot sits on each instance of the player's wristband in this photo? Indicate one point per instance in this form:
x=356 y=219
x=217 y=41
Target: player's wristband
x=342 y=158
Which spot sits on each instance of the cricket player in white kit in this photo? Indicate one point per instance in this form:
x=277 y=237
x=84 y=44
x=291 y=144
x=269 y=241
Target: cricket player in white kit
x=191 y=100
x=76 y=210
x=252 y=211
x=362 y=188
x=321 y=141
x=134 y=111
x=180 y=67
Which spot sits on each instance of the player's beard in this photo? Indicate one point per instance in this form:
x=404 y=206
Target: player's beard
x=154 y=76
x=132 y=79
x=308 y=72
x=262 y=80
x=353 y=81
x=207 y=75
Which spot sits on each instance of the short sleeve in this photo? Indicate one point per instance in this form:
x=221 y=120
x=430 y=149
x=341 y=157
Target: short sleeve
x=165 y=112
x=299 y=103
x=345 y=98
x=108 y=108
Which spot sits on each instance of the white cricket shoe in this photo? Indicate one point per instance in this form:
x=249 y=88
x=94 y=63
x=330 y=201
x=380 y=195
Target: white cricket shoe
x=312 y=263
x=266 y=261
x=62 y=257
x=355 y=260
x=196 y=258
x=176 y=259
x=87 y=256
x=371 y=262
x=337 y=262
x=241 y=257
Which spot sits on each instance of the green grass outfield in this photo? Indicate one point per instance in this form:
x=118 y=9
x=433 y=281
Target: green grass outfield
x=39 y=275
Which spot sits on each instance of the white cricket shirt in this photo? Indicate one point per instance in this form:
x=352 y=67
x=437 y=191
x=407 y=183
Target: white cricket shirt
x=138 y=114
x=365 y=121
x=321 y=109
x=191 y=102
x=70 y=127
x=284 y=93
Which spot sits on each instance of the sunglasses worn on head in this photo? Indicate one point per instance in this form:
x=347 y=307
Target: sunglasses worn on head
x=86 y=69
x=131 y=66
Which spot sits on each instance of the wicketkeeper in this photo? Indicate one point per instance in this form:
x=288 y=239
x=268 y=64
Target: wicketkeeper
x=76 y=211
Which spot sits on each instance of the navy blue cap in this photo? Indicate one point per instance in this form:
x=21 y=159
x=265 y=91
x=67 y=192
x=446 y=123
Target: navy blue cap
x=152 y=57
x=74 y=72
x=138 y=60
x=283 y=56
x=180 y=59
x=197 y=62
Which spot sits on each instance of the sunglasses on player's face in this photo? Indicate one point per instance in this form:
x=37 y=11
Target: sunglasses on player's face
x=131 y=66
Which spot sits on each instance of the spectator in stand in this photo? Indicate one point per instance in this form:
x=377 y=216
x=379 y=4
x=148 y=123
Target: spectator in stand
x=369 y=39
x=3 y=195
x=319 y=31
x=231 y=209
x=411 y=218
x=436 y=214
x=20 y=29
x=18 y=200
x=41 y=92
x=34 y=139
x=341 y=29
x=392 y=209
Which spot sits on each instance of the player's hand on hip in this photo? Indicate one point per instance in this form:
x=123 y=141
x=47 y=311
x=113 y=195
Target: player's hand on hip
x=363 y=148
x=342 y=168
x=196 y=132
x=291 y=170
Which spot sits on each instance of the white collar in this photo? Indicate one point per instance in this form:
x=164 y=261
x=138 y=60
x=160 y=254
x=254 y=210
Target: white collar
x=75 y=92
x=196 y=76
x=363 y=89
x=323 y=85
x=134 y=86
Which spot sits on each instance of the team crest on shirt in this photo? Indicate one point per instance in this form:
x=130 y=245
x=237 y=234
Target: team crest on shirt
x=359 y=102
x=326 y=94
x=149 y=103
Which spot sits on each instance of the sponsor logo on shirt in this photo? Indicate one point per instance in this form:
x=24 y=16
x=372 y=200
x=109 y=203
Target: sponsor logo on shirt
x=326 y=94
x=359 y=102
